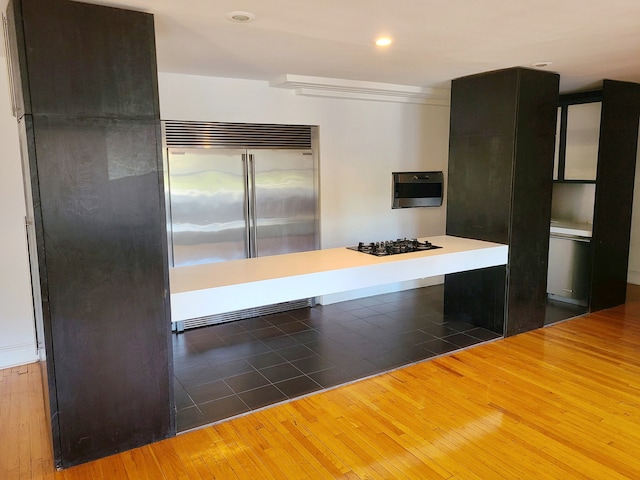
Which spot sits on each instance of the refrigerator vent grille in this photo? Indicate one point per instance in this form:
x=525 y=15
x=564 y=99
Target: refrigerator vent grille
x=242 y=135
x=248 y=313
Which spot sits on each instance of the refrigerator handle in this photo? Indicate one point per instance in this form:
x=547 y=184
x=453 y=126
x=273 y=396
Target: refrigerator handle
x=252 y=211
x=247 y=207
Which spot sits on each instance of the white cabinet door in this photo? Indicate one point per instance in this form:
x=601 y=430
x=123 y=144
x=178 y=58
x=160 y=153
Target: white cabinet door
x=556 y=153
x=583 y=136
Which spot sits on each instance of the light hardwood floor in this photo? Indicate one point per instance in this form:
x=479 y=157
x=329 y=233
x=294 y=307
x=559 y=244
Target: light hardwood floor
x=560 y=402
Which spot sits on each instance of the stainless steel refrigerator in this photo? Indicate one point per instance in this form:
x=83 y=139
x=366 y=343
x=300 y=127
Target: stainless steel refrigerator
x=231 y=203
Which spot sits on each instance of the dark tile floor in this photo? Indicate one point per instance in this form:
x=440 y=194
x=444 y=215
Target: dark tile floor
x=558 y=311
x=228 y=369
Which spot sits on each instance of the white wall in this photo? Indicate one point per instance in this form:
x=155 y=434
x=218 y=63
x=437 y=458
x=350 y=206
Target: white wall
x=17 y=333
x=573 y=202
x=633 y=272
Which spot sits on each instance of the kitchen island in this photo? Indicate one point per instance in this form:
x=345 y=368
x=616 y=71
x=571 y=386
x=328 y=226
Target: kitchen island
x=215 y=288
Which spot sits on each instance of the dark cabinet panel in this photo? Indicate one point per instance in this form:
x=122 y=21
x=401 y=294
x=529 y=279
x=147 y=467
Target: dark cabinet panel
x=91 y=132
x=106 y=282
x=477 y=297
x=531 y=194
x=501 y=150
x=87 y=60
x=479 y=187
x=617 y=155
x=489 y=114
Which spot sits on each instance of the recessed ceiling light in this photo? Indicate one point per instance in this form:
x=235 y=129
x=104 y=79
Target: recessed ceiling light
x=240 y=17
x=541 y=64
x=383 y=41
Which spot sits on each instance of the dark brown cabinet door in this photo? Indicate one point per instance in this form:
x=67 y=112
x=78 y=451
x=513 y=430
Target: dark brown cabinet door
x=91 y=129
x=82 y=59
x=106 y=282
x=617 y=153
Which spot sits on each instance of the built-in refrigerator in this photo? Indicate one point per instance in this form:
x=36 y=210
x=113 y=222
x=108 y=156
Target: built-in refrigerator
x=232 y=203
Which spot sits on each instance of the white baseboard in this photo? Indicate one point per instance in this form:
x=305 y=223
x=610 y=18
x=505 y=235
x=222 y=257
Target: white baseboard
x=16 y=355
x=369 y=292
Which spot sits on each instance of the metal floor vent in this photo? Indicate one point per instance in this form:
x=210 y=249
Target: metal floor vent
x=247 y=313
x=182 y=134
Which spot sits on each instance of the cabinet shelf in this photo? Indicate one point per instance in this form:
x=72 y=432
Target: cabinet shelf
x=575 y=181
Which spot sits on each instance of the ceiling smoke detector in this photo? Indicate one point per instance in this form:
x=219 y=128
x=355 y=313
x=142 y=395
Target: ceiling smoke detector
x=240 y=17
x=541 y=64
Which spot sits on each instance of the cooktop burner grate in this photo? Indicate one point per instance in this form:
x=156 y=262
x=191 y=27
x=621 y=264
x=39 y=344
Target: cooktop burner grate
x=393 y=247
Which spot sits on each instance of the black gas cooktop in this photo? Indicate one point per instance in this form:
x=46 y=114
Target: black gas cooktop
x=394 y=247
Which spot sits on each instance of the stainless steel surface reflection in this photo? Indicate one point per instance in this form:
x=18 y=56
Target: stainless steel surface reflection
x=569 y=271
x=233 y=203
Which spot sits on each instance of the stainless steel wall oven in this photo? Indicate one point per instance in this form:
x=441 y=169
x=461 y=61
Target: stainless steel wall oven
x=417 y=189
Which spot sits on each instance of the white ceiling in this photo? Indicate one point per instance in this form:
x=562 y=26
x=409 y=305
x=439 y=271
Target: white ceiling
x=434 y=41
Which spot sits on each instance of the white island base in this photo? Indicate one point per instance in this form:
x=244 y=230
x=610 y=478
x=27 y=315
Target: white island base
x=215 y=288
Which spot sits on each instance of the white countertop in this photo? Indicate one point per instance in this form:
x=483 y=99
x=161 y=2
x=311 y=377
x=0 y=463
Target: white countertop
x=203 y=290
x=571 y=228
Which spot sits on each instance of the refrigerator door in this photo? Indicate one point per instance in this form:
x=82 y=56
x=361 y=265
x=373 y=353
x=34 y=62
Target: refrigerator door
x=208 y=205
x=283 y=186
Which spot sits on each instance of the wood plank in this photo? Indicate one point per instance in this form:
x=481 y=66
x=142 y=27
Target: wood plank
x=140 y=464
x=559 y=402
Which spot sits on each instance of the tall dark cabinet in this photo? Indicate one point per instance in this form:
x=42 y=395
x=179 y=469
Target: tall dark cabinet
x=86 y=93
x=617 y=153
x=501 y=149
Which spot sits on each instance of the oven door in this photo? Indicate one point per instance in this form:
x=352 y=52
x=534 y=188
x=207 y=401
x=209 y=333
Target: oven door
x=417 y=189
